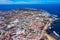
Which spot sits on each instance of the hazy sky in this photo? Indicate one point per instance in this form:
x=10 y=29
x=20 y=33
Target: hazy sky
x=29 y=1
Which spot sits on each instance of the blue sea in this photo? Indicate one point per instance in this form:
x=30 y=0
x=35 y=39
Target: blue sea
x=51 y=8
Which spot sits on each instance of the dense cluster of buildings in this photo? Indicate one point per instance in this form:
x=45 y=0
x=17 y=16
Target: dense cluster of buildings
x=24 y=24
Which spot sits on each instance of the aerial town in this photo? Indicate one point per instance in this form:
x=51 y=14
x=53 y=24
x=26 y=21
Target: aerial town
x=25 y=24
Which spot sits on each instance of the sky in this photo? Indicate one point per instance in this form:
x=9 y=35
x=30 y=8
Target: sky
x=29 y=1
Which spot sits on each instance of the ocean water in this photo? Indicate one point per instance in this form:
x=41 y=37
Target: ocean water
x=51 y=8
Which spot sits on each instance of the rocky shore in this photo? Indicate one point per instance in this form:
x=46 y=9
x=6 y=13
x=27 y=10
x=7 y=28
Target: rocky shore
x=25 y=24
